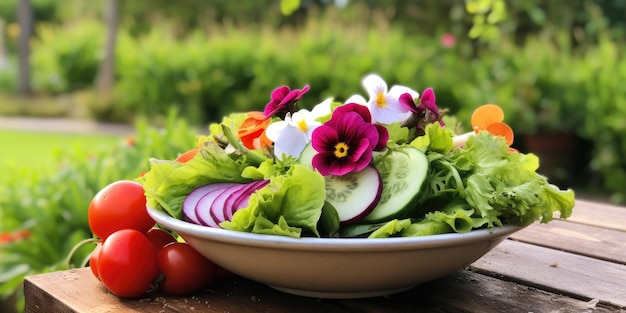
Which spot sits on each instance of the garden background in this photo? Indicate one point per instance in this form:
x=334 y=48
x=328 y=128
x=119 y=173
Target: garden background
x=555 y=67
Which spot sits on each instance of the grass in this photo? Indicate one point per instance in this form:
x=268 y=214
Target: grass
x=37 y=151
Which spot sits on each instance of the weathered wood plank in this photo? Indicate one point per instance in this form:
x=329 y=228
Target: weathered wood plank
x=600 y=243
x=556 y=271
x=78 y=291
x=466 y=291
x=463 y=291
x=599 y=214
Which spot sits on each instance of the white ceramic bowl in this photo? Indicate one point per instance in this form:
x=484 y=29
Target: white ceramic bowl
x=338 y=267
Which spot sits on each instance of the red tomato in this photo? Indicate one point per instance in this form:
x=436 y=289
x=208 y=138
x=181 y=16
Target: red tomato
x=223 y=273
x=93 y=261
x=127 y=263
x=186 y=270
x=159 y=238
x=120 y=205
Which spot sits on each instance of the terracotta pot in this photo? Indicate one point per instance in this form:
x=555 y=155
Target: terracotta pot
x=559 y=155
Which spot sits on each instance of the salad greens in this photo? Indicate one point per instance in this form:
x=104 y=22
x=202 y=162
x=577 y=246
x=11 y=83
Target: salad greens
x=289 y=203
x=482 y=184
x=167 y=183
x=454 y=183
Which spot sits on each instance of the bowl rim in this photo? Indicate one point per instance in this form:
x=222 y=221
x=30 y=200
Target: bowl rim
x=186 y=229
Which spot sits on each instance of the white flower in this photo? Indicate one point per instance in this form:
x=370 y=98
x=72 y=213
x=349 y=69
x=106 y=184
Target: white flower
x=294 y=133
x=384 y=105
x=322 y=109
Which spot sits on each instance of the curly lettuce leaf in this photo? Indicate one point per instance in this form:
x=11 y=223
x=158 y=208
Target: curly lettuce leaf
x=167 y=183
x=436 y=138
x=426 y=228
x=390 y=228
x=296 y=197
x=502 y=186
x=458 y=215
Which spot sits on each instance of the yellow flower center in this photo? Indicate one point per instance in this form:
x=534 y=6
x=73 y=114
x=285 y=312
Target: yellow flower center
x=302 y=125
x=380 y=100
x=341 y=150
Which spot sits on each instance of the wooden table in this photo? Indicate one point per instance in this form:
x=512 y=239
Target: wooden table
x=577 y=265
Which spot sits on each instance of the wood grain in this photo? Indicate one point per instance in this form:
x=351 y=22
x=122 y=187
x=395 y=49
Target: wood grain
x=557 y=271
x=600 y=243
x=78 y=291
x=599 y=214
x=466 y=291
x=463 y=291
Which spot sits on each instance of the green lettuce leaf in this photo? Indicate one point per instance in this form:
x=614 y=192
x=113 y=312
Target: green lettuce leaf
x=167 y=183
x=435 y=139
x=390 y=228
x=426 y=228
x=502 y=186
x=296 y=197
x=458 y=215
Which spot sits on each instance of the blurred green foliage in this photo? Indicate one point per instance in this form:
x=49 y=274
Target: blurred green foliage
x=211 y=58
x=51 y=207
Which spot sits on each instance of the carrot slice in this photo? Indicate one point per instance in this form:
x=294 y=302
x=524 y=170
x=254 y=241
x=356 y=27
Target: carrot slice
x=185 y=157
x=486 y=115
x=501 y=129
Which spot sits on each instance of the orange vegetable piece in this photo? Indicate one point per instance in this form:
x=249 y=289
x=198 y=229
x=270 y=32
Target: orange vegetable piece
x=185 y=157
x=252 y=131
x=486 y=115
x=501 y=129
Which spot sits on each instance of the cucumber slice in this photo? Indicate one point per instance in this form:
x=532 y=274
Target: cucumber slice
x=403 y=172
x=306 y=156
x=354 y=195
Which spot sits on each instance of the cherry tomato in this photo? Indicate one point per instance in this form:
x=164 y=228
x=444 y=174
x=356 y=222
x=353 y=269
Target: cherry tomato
x=223 y=273
x=186 y=270
x=120 y=205
x=93 y=261
x=159 y=238
x=127 y=263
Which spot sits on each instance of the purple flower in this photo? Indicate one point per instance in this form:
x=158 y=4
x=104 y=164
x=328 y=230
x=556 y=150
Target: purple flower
x=424 y=113
x=364 y=112
x=283 y=101
x=345 y=143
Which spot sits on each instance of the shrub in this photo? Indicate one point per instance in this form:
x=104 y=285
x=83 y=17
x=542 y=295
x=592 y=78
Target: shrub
x=66 y=57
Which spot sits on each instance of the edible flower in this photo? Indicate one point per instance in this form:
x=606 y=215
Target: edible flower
x=487 y=117
x=490 y=117
x=252 y=131
x=291 y=135
x=345 y=142
x=384 y=104
x=284 y=101
x=424 y=113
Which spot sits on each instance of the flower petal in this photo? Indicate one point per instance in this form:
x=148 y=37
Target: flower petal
x=352 y=128
x=387 y=116
x=383 y=137
x=393 y=98
x=428 y=102
x=290 y=143
x=275 y=129
x=358 y=99
x=361 y=110
x=361 y=154
x=280 y=93
x=322 y=109
x=324 y=139
x=407 y=101
x=374 y=85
